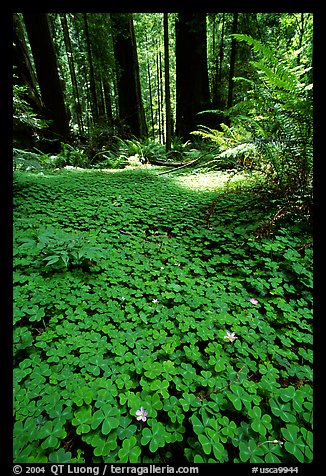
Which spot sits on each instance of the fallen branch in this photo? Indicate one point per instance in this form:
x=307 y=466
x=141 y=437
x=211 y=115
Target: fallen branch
x=185 y=164
x=167 y=163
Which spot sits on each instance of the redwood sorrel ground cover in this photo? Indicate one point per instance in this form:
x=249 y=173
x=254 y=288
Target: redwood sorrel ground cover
x=151 y=326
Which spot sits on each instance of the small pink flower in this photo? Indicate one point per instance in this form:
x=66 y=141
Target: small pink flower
x=230 y=335
x=142 y=414
x=253 y=301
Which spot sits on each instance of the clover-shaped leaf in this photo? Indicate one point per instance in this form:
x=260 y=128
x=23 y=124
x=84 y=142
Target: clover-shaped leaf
x=82 y=419
x=130 y=451
x=52 y=432
x=156 y=436
x=294 y=443
x=282 y=410
x=82 y=394
x=60 y=456
x=205 y=443
x=103 y=446
x=161 y=387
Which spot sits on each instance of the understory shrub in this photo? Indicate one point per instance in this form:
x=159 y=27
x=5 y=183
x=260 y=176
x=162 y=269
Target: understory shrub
x=272 y=129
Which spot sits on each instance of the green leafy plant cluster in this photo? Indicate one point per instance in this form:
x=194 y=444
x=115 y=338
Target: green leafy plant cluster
x=185 y=341
x=36 y=160
x=23 y=111
x=57 y=249
x=272 y=129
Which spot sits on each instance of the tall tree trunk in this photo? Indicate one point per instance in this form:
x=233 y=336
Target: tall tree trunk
x=192 y=86
x=131 y=108
x=23 y=70
x=216 y=67
x=167 y=83
x=94 y=103
x=150 y=97
x=72 y=70
x=161 y=93
x=158 y=97
x=108 y=102
x=150 y=90
x=101 y=101
x=232 y=60
x=38 y=31
x=221 y=54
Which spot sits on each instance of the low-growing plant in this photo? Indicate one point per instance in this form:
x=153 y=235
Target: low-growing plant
x=23 y=111
x=57 y=249
x=190 y=341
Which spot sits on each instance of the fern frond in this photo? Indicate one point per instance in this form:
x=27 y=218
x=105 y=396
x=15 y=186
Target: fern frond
x=257 y=46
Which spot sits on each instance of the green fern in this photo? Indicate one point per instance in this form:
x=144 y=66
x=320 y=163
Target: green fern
x=273 y=125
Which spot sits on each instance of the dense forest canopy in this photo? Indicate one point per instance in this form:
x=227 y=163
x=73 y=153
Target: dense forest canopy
x=90 y=61
x=163 y=196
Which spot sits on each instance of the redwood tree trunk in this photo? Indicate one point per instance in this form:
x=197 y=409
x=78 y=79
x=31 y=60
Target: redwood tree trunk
x=232 y=60
x=192 y=86
x=131 y=111
x=24 y=74
x=39 y=35
x=72 y=70
x=92 y=84
x=167 y=84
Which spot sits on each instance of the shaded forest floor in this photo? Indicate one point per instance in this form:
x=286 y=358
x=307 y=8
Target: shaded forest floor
x=128 y=287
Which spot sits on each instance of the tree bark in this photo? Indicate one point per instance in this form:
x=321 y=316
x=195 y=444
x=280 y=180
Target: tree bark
x=232 y=60
x=23 y=70
x=131 y=109
x=150 y=97
x=108 y=102
x=38 y=31
x=72 y=70
x=161 y=98
x=192 y=85
x=221 y=53
x=167 y=84
x=92 y=84
x=159 y=106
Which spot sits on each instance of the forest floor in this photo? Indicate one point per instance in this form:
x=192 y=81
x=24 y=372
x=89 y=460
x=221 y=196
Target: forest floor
x=159 y=318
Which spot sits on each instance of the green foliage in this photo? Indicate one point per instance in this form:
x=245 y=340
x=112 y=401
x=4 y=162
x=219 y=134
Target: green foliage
x=123 y=294
x=22 y=110
x=272 y=128
x=57 y=248
x=26 y=160
x=71 y=156
x=39 y=161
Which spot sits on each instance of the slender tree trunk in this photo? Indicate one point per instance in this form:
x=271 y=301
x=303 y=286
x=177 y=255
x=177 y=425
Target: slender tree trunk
x=161 y=94
x=232 y=60
x=158 y=97
x=221 y=54
x=101 y=101
x=108 y=102
x=38 y=31
x=150 y=90
x=167 y=83
x=23 y=70
x=94 y=103
x=72 y=70
x=150 y=97
x=301 y=33
x=216 y=70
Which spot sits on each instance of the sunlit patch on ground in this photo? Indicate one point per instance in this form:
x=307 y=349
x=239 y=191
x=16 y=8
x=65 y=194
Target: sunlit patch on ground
x=212 y=180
